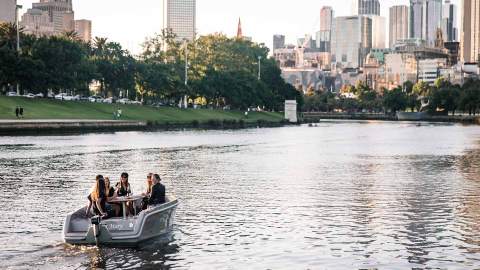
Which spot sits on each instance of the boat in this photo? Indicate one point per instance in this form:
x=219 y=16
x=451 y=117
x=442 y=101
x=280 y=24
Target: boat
x=411 y=116
x=154 y=222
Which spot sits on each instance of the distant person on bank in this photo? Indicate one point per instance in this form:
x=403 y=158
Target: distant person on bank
x=17 y=111
x=21 y=112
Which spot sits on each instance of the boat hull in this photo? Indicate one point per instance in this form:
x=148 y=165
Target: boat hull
x=119 y=232
x=411 y=116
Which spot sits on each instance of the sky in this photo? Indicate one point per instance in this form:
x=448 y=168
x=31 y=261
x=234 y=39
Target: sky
x=130 y=22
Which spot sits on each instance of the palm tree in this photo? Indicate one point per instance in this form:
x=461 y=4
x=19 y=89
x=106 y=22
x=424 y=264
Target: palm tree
x=99 y=46
x=71 y=35
x=8 y=35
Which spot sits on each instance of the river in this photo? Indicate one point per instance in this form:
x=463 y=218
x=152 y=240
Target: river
x=341 y=195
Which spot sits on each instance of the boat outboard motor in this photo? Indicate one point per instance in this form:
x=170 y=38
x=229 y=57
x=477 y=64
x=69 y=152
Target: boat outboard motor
x=96 y=227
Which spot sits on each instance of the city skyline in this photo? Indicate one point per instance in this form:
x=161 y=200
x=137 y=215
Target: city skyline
x=261 y=26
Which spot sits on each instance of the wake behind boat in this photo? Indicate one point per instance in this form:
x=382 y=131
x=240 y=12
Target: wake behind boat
x=154 y=222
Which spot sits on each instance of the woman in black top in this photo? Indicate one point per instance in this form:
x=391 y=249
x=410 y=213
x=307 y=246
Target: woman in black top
x=111 y=194
x=124 y=189
x=98 y=198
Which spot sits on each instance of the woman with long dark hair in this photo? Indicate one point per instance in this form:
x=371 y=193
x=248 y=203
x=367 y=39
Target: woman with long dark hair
x=97 y=198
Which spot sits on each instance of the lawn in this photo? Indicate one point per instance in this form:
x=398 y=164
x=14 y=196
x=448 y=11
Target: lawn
x=54 y=109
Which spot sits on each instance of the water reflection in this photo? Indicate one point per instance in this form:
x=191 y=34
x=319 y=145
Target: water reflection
x=345 y=195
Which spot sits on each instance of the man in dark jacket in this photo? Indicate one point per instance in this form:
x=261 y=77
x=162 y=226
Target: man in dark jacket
x=158 y=191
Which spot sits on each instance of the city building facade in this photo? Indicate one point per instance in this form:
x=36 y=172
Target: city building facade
x=37 y=22
x=398 y=24
x=83 y=28
x=470 y=38
x=400 y=68
x=60 y=13
x=352 y=43
x=278 y=42
x=366 y=7
x=449 y=21
x=54 y=17
x=7 y=11
x=378 y=31
x=324 y=36
x=429 y=69
x=425 y=19
x=180 y=17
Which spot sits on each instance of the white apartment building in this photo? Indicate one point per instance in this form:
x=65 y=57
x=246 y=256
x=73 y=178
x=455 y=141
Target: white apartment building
x=180 y=17
x=429 y=69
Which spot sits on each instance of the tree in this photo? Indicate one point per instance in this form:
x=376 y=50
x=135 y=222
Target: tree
x=421 y=89
x=395 y=100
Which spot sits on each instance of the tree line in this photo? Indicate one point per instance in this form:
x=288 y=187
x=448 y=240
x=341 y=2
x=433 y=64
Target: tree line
x=222 y=71
x=442 y=97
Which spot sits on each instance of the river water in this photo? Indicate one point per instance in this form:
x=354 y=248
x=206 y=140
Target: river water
x=342 y=195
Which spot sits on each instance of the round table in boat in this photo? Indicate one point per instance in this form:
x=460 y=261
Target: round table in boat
x=124 y=200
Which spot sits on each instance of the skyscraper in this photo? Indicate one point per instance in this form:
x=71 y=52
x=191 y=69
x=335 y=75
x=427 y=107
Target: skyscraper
x=470 y=38
x=351 y=44
x=180 y=17
x=398 y=24
x=278 y=42
x=425 y=19
x=379 y=31
x=7 y=11
x=324 y=36
x=83 y=28
x=366 y=7
x=60 y=13
x=449 y=21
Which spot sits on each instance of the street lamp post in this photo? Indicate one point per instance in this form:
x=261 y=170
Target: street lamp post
x=186 y=62
x=17 y=7
x=259 y=67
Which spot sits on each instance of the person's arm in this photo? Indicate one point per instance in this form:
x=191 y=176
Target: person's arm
x=87 y=213
x=100 y=208
x=153 y=195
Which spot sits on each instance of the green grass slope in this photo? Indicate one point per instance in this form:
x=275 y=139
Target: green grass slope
x=53 y=109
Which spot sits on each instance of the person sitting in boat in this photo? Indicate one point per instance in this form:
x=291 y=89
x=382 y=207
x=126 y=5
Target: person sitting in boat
x=111 y=194
x=158 y=192
x=97 y=198
x=148 y=192
x=124 y=189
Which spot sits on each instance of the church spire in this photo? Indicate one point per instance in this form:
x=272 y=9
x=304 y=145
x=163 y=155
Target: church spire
x=239 y=30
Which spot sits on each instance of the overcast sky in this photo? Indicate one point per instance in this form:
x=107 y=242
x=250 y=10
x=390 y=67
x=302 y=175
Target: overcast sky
x=129 y=22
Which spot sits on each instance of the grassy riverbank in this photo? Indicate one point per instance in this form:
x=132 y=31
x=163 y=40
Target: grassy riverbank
x=53 y=109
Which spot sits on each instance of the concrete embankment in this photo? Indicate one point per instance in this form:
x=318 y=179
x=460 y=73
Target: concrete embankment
x=32 y=127
x=21 y=127
x=314 y=116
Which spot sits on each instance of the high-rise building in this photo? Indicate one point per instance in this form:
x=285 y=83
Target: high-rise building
x=60 y=13
x=278 y=42
x=379 y=31
x=324 y=36
x=470 y=37
x=425 y=19
x=449 y=21
x=351 y=44
x=7 y=11
x=38 y=23
x=83 y=28
x=366 y=7
x=54 y=17
x=398 y=25
x=180 y=17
